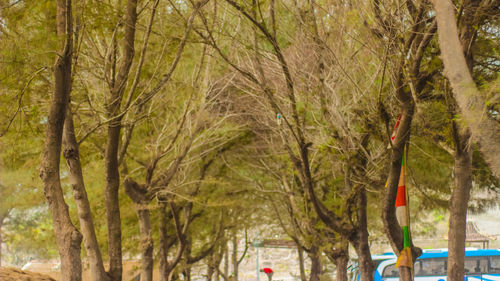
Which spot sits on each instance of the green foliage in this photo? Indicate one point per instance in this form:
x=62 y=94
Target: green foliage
x=210 y=105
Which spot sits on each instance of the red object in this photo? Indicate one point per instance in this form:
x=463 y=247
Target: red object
x=393 y=136
x=401 y=196
x=267 y=270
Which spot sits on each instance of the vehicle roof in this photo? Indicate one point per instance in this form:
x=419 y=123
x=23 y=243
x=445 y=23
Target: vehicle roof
x=442 y=253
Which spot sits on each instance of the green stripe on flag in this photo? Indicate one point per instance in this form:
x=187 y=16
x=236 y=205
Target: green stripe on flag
x=404 y=157
x=406 y=237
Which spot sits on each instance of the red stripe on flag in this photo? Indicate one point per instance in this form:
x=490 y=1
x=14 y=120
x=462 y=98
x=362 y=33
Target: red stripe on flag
x=401 y=196
x=395 y=130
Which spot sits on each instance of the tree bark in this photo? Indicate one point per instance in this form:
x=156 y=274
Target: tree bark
x=72 y=156
x=112 y=204
x=146 y=242
x=463 y=163
x=485 y=130
x=391 y=226
x=234 y=257
x=316 y=267
x=458 y=208
x=111 y=155
x=341 y=267
x=339 y=255
x=361 y=241
x=300 y=251
x=186 y=272
x=68 y=238
x=164 y=248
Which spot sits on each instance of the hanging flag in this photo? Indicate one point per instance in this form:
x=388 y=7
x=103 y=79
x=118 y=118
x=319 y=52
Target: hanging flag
x=403 y=217
x=393 y=138
x=394 y=132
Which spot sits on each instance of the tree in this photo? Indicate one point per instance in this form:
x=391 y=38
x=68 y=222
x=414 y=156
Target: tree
x=473 y=107
x=472 y=18
x=67 y=236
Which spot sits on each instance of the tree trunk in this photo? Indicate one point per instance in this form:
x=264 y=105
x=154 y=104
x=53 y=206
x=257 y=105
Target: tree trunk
x=112 y=204
x=391 y=225
x=226 y=261
x=68 y=238
x=361 y=244
x=474 y=112
x=217 y=259
x=463 y=162
x=165 y=271
x=111 y=155
x=235 y=255
x=341 y=267
x=300 y=251
x=187 y=266
x=210 y=267
x=217 y=273
x=316 y=267
x=458 y=208
x=146 y=242
x=340 y=257
x=72 y=155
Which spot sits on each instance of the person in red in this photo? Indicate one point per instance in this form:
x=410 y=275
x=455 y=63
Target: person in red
x=269 y=272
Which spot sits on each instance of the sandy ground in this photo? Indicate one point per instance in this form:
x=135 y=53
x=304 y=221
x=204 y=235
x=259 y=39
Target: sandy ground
x=15 y=274
x=47 y=269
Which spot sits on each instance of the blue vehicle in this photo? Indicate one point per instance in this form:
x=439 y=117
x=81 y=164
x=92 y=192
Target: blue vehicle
x=432 y=266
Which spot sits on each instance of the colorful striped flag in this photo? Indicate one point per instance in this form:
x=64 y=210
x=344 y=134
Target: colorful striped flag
x=403 y=217
x=395 y=130
x=393 y=138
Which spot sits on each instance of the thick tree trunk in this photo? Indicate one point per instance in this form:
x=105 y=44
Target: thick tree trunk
x=341 y=267
x=72 y=155
x=458 y=208
x=316 y=266
x=146 y=242
x=300 y=251
x=463 y=163
x=485 y=130
x=112 y=204
x=360 y=243
x=340 y=257
x=112 y=147
x=68 y=238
